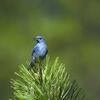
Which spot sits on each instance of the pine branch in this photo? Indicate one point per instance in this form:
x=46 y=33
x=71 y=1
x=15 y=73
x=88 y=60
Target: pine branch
x=52 y=82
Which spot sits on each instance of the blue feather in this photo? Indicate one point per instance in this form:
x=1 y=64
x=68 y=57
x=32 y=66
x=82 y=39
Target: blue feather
x=39 y=51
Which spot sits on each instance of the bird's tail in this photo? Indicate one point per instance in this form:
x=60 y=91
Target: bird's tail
x=31 y=65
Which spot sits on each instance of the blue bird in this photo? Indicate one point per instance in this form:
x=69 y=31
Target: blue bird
x=39 y=51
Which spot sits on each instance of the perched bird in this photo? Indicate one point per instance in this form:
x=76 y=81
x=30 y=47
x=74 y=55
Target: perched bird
x=39 y=51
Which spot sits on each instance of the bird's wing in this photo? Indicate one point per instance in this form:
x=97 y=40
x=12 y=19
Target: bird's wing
x=35 y=49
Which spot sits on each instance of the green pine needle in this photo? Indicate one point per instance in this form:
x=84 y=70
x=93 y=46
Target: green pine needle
x=55 y=84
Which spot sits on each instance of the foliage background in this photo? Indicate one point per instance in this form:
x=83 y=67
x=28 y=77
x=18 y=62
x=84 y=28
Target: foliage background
x=71 y=29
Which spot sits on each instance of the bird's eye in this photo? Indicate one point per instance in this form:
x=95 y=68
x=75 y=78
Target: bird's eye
x=40 y=38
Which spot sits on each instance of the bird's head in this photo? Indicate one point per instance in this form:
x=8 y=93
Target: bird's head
x=39 y=39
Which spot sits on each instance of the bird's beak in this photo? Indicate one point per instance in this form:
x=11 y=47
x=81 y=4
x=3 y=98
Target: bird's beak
x=34 y=38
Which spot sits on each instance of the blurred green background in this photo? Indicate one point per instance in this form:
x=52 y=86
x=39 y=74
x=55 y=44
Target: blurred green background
x=72 y=32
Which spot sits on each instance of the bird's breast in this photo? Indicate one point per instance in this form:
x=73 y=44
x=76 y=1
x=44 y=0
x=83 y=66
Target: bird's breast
x=42 y=48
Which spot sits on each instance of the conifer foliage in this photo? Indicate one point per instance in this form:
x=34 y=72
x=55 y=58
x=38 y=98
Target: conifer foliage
x=52 y=82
